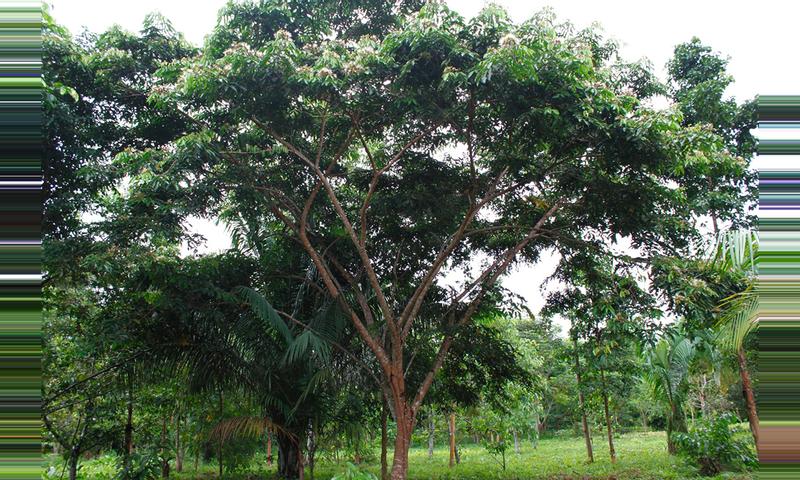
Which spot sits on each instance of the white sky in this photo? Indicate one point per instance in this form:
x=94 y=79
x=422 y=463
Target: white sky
x=757 y=37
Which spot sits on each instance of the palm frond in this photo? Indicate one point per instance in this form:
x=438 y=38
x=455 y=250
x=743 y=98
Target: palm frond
x=245 y=426
x=264 y=311
x=736 y=249
x=738 y=320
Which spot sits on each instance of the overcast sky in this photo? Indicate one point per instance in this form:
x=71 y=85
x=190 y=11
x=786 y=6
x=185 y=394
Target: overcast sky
x=757 y=36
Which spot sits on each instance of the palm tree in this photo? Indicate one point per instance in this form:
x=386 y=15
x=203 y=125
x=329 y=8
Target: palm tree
x=667 y=372
x=736 y=250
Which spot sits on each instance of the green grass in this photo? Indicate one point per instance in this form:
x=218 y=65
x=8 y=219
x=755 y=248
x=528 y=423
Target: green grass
x=639 y=456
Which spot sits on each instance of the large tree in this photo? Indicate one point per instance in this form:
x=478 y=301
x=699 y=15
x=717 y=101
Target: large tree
x=433 y=145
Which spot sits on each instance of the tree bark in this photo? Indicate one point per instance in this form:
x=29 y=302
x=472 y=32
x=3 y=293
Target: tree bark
x=74 y=456
x=749 y=396
x=612 y=453
x=288 y=453
x=269 y=448
x=164 y=459
x=404 y=417
x=178 y=445
x=129 y=426
x=586 y=434
x=311 y=447
x=452 y=424
x=516 y=441
x=384 y=441
x=431 y=434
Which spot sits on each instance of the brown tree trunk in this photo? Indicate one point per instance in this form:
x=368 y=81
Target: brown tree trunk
x=384 y=442
x=611 y=450
x=431 y=434
x=404 y=416
x=452 y=424
x=586 y=434
x=749 y=396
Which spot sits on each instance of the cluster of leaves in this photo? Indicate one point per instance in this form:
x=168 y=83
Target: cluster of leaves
x=714 y=443
x=352 y=472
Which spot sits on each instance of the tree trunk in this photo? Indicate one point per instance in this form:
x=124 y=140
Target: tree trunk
x=74 y=456
x=404 y=417
x=431 y=434
x=703 y=403
x=288 y=453
x=586 y=434
x=676 y=422
x=178 y=445
x=269 y=448
x=384 y=441
x=612 y=453
x=164 y=459
x=311 y=447
x=219 y=443
x=129 y=427
x=749 y=396
x=452 y=429
x=516 y=442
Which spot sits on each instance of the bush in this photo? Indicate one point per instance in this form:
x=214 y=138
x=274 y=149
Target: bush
x=713 y=445
x=352 y=472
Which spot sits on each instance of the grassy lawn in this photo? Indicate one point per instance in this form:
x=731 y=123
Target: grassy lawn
x=640 y=456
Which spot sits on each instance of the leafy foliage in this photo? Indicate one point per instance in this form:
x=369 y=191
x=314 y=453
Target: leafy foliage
x=713 y=443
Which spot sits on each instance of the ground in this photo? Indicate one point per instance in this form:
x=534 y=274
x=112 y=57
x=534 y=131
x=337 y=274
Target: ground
x=640 y=456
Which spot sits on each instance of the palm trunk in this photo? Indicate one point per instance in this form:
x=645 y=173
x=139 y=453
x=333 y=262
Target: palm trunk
x=586 y=434
x=676 y=423
x=611 y=450
x=289 y=466
x=749 y=396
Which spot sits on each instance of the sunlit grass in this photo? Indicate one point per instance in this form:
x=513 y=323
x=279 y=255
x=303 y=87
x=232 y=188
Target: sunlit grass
x=639 y=456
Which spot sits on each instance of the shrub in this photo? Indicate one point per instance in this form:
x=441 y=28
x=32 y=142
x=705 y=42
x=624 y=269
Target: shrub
x=352 y=472
x=144 y=466
x=713 y=445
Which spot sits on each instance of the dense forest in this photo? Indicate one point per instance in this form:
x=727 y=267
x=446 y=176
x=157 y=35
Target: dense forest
x=381 y=167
